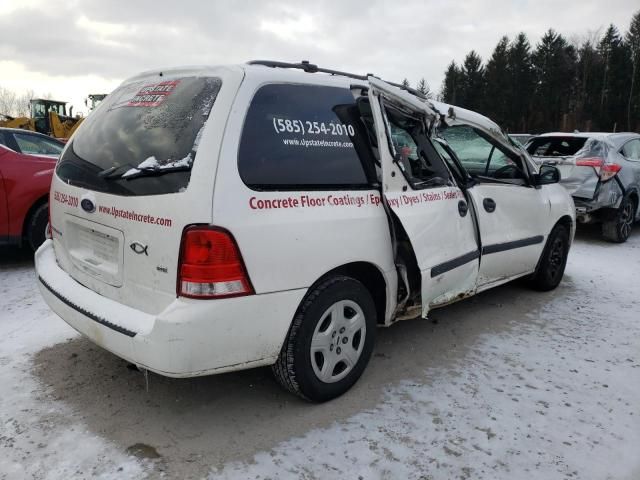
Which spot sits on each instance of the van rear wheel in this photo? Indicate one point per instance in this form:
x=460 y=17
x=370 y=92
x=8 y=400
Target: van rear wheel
x=330 y=340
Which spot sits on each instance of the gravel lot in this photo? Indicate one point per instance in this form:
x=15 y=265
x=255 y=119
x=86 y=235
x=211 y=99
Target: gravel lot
x=510 y=384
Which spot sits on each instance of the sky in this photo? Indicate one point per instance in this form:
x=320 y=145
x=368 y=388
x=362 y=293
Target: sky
x=72 y=48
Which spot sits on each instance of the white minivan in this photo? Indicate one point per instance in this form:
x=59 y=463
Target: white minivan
x=212 y=219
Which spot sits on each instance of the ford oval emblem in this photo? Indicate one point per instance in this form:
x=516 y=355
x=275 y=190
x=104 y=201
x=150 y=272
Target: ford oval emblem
x=87 y=205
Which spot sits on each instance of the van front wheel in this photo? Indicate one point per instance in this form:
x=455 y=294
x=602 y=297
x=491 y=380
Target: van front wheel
x=330 y=340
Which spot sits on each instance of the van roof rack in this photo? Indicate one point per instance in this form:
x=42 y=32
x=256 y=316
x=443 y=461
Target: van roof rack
x=313 y=68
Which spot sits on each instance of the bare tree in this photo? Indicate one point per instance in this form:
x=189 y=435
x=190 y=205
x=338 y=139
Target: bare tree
x=8 y=100
x=23 y=104
x=14 y=104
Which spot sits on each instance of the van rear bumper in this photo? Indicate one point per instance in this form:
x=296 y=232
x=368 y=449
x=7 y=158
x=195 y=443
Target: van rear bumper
x=189 y=338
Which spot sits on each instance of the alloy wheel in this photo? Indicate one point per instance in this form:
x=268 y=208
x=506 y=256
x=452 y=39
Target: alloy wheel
x=626 y=219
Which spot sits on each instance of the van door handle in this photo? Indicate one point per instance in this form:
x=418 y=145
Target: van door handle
x=463 y=208
x=489 y=204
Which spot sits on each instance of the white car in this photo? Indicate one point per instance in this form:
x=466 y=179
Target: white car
x=206 y=220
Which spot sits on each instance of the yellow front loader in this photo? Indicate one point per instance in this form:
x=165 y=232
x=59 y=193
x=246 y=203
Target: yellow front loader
x=24 y=123
x=48 y=117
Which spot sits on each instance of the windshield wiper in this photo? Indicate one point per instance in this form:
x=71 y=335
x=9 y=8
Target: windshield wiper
x=118 y=173
x=114 y=172
x=154 y=171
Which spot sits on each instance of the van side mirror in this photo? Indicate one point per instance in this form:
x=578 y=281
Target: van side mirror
x=548 y=174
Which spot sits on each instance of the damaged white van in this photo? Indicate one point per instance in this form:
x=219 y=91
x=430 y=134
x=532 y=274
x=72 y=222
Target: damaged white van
x=205 y=220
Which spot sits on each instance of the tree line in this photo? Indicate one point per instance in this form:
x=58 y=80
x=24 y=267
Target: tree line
x=588 y=85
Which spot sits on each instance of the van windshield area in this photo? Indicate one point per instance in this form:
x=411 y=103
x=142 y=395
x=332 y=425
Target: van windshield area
x=142 y=139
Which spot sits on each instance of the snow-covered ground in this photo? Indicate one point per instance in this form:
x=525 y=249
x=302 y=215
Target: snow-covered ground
x=41 y=438
x=511 y=384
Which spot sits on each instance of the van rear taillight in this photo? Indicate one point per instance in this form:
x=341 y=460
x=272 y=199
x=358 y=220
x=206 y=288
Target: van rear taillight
x=211 y=265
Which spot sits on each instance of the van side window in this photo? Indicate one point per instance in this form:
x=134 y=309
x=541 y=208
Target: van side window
x=482 y=157
x=304 y=136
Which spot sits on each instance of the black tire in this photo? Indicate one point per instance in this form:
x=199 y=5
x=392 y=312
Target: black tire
x=553 y=260
x=294 y=369
x=36 y=227
x=618 y=228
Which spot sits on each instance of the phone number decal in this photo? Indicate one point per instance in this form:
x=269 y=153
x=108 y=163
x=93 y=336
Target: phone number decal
x=65 y=199
x=281 y=125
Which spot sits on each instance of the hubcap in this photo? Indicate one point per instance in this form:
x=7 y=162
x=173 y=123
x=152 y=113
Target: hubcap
x=338 y=341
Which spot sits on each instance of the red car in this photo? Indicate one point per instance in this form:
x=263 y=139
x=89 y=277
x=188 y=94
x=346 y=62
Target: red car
x=27 y=161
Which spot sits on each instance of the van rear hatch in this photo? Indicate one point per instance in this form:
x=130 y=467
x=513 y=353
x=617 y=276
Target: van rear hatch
x=131 y=179
x=579 y=160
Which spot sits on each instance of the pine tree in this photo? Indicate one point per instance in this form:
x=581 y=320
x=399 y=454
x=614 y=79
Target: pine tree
x=472 y=76
x=522 y=82
x=588 y=83
x=498 y=90
x=633 y=42
x=451 y=84
x=554 y=62
x=616 y=79
x=405 y=83
x=424 y=88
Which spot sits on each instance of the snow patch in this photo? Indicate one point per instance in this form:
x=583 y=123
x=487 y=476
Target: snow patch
x=152 y=163
x=40 y=437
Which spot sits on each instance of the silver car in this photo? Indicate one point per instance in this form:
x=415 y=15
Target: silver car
x=601 y=171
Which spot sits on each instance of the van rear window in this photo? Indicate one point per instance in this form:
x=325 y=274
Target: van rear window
x=304 y=136
x=142 y=139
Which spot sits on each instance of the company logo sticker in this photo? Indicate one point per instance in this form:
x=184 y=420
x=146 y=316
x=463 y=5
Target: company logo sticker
x=139 y=248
